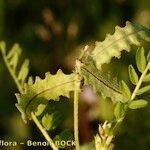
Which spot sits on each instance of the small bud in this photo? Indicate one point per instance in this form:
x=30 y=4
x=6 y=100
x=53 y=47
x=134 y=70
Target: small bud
x=101 y=130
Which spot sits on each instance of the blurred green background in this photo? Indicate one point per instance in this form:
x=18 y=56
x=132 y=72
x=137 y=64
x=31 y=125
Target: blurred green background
x=51 y=34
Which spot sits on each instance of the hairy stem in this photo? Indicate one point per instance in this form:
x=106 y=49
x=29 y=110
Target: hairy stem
x=43 y=131
x=76 y=128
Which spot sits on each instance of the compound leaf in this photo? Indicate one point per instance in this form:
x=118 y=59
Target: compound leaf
x=11 y=60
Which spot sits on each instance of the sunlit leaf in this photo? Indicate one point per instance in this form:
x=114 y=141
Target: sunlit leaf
x=24 y=70
x=100 y=83
x=14 y=50
x=3 y=47
x=125 y=90
x=122 y=39
x=12 y=60
x=143 y=90
x=148 y=56
x=133 y=75
x=146 y=78
x=30 y=80
x=44 y=90
x=40 y=109
x=136 y=104
x=119 y=111
x=140 y=59
x=47 y=121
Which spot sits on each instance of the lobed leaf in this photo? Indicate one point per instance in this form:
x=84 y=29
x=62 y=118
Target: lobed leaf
x=136 y=104
x=44 y=90
x=112 y=46
x=133 y=75
x=140 y=59
x=122 y=39
x=100 y=83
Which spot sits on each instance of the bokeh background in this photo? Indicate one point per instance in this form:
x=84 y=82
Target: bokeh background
x=52 y=34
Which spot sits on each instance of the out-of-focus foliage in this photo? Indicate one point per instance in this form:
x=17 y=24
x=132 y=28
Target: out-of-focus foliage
x=52 y=34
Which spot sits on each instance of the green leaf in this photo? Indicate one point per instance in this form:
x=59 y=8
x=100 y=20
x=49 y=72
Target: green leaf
x=143 y=90
x=125 y=90
x=24 y=70
x=122 y=39
x=11 y=60
x=140 y=59
x=40 y=109
x=136 y=104
x=133 y=75
x=51 y=121
x=146 y=78
x=148 y=56
x=119 y=111
x=44 y=90
x=100 y=83
x=64 y=136
x=30 y=80
x=14 y=61
x=14 y=50
x=3 y=47
x=47 y=121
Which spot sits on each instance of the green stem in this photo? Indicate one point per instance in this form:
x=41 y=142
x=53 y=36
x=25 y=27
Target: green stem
x=140 y=81
x=36 y=121
x=134 y=92
x=43 y=131
x=76 y=128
